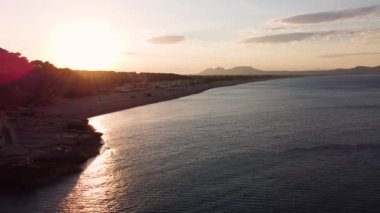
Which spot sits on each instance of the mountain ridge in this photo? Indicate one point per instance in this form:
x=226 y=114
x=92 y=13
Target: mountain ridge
x=247 y=70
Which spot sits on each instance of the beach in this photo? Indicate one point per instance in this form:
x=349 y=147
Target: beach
x=121 y=99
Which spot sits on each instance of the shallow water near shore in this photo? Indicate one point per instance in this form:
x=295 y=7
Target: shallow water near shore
x=300 y=144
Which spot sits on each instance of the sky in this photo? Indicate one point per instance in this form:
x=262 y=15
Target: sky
x=188 y=36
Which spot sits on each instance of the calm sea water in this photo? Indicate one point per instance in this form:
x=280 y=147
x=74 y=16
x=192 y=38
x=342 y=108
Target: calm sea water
x=302 y=144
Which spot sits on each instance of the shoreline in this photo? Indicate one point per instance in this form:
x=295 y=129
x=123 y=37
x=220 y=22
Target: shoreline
x=87 y=107
x=57 y=140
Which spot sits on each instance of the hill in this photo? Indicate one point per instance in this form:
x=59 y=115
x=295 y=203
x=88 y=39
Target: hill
x=245 y=70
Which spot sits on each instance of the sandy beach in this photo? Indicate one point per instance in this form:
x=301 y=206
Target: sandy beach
x=120 y=100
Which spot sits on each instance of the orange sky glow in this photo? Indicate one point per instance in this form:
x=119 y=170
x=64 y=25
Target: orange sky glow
x=189 y=36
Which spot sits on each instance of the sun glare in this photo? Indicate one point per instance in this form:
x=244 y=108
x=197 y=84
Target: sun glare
x=87 y=46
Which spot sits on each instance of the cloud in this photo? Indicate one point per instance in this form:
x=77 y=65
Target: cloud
x=277 y=28
x=330 y=16
x=297 y=36
x=369 y=36
x=168 y=39
x=280 y=38
x=341 y=55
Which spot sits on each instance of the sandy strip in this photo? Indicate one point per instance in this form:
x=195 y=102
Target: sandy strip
x=116 y=101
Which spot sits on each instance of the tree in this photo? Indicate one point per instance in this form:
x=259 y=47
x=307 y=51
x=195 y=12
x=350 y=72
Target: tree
x=12 y=66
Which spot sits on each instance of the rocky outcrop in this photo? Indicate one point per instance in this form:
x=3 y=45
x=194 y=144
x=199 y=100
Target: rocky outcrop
x=47 y=149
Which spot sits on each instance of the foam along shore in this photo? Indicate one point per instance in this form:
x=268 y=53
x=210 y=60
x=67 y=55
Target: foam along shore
x=40 y=145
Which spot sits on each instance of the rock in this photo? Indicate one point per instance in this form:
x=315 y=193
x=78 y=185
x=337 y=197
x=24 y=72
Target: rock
x=44 y=153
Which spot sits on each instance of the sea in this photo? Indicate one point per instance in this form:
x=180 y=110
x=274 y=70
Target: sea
x=309 y=144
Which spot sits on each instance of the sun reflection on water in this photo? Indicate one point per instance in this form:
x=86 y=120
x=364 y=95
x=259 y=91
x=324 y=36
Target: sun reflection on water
x=98 y=124
x=97 y=186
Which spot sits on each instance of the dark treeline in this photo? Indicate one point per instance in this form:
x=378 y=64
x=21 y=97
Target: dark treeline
x=24 y=83
x=152 y=77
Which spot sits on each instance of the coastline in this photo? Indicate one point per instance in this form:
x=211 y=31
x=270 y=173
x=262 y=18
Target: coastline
x=57 y=140
x=87 y=107
x=43 y=149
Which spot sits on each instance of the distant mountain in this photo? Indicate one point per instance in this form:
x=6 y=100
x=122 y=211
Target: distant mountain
x=242 y=70
x=245 y=70
x=360 y=70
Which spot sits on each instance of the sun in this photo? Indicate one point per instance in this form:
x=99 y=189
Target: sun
x=86 y=46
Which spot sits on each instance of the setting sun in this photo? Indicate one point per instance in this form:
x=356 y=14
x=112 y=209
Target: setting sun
x=87 y=45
